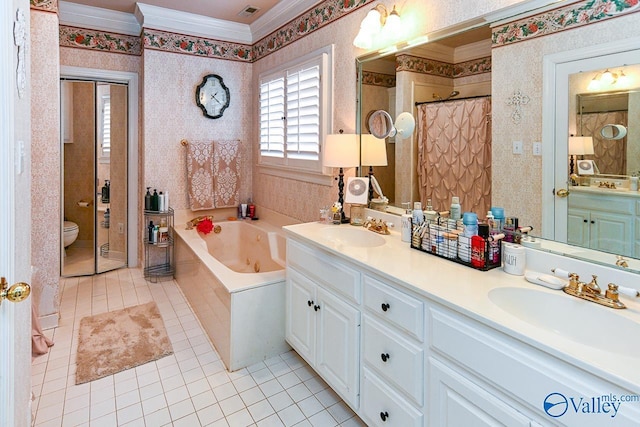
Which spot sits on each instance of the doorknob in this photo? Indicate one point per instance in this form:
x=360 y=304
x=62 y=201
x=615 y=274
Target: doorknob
x=563 y=192
x=16 y=293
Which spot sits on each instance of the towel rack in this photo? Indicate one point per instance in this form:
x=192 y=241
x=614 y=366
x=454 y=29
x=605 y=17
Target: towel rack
x=184 y=142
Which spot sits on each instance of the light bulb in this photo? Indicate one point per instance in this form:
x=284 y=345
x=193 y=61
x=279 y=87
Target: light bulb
x=594 y=84
x=624 y=80
x=363 y=40
x=392 y=30
x=371 y=22
x=608 y=77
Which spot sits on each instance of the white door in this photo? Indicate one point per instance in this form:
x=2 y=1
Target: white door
x=15 y=221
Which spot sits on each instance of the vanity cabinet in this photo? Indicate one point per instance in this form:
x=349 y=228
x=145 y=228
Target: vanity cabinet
x=603 y=222
x=320 y=325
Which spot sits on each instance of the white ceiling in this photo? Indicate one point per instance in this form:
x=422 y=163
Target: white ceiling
x=220 y=9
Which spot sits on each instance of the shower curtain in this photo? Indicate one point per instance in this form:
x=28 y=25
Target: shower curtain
x=609 y=155
x=454 y=154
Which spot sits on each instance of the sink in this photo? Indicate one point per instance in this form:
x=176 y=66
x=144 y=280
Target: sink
x=357 y=237
x=577 y=320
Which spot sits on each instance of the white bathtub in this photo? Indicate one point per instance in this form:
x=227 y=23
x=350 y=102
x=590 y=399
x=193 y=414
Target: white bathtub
x=235 y=283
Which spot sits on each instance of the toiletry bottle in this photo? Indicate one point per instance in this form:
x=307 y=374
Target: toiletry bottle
x=469 y=224
x=107 y=217
x=252 y=209
x=479 y=246
x=105 y=192
x=161 y=207
x=166 y=200
x=495 y=242
x=498 y=216
x=156 y=230
x=633 y=183
x=455 y=213
x=418 y=215
x=510 y=226
x=405 y=223
x=150 y=232
x=147 y=200
x=154 y=201
x=429 y=213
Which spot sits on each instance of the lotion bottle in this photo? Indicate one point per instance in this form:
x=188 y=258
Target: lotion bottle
x=405 y=223
x=429 y=213
x=418 y=215
x=455 y=213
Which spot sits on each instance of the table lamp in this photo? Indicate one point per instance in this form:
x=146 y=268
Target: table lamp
x=579 y=146
x=374 y=153
x=341 y=150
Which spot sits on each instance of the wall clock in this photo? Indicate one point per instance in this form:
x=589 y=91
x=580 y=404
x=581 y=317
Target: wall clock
x=212 y=96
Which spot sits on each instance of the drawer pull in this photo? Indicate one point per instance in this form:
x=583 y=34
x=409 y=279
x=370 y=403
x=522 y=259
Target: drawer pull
x=385 y=306
x=384 y=357
x=316 y=307
x=309 y=303
x=384 y=415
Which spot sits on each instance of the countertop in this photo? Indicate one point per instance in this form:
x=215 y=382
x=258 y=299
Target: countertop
x=624 y=192
x=466 y=290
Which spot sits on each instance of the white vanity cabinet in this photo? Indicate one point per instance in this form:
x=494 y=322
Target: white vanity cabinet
x=320 y=324
x=610 y=230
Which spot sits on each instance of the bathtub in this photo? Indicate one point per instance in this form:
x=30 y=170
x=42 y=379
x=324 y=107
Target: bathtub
x=235 y=283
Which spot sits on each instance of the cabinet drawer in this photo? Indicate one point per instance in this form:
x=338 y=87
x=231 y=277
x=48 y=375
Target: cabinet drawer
x=395 y=358
x=325 y=269
x=381 y=406
x=613 y=203
x=396 y=307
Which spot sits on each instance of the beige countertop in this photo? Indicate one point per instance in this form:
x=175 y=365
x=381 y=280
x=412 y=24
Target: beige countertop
x=467 y=291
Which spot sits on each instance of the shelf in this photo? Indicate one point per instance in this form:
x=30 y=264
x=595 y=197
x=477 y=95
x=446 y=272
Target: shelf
x=158 y=255
x=160 y=244
x=156 y=271
x=159 y=213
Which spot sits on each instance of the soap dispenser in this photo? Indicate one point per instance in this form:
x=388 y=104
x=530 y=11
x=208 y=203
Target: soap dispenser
x=147 y=200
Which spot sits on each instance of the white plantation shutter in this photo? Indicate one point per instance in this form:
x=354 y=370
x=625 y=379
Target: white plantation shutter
x=303 y=113
x=105 y=141
x=295 y=112
x=272 y=118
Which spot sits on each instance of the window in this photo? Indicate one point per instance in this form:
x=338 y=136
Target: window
x=105 y=127
x=295 y=113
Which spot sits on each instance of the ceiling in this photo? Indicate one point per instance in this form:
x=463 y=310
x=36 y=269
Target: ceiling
x=226 y=10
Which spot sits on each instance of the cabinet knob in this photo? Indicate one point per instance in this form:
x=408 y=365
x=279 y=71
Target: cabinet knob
x=309 y=303
x=384 y=415
x=385 y=306
x=316 y=307
x=384 y=357
x=584 y=220
x=593 y=222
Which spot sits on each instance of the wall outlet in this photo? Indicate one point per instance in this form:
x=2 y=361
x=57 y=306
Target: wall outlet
x=537 y=148
x=517 y=147
x=120 y=228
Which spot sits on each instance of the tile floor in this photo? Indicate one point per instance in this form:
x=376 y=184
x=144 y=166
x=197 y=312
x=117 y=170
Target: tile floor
x=189 y=388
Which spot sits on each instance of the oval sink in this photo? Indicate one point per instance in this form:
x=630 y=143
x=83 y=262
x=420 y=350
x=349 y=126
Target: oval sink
x=577 y=320
x=357 y=237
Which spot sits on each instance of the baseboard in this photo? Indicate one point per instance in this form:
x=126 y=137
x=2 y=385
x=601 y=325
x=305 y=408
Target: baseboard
x=49 y=321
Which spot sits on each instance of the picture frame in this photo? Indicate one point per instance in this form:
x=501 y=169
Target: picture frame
x=357 y=190
x=587 y=167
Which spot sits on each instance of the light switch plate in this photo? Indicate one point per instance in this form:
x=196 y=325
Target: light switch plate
x=537 y=148
x=517 y=147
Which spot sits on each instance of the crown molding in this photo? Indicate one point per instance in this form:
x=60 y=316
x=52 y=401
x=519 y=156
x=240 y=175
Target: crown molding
x=159 y=18
x=279 y=15
x=479 y=49
x=77 y=15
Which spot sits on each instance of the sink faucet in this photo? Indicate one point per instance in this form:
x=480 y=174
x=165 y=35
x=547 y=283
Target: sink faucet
x=377 y=226
x=591 y=291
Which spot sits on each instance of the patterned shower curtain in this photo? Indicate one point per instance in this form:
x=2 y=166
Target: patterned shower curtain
x=454 y=154
x=609 y=155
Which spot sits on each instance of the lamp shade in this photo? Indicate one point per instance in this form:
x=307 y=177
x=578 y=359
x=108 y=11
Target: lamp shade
x=341 y=150
x=374 y=151
x=580 y=145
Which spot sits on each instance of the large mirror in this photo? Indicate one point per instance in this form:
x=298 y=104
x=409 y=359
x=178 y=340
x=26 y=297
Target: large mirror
x=394 y=83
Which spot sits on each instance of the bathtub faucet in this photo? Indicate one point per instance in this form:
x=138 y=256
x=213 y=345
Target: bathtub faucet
x=195 y=221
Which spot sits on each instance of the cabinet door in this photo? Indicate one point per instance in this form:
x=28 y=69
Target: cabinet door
x=612 y=232
x=338 y=341
x=301 y=317
x=578 y=227
x=456 y=401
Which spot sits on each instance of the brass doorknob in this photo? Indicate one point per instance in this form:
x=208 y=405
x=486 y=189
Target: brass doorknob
x=563 y=192
x=16 y=293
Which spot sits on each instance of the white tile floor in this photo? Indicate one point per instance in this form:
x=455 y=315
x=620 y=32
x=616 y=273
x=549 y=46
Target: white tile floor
x=189 y=388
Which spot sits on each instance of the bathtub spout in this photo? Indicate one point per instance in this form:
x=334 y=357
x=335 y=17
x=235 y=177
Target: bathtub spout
x=195 y=221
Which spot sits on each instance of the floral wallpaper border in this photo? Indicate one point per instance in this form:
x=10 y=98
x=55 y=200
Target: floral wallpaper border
x=437 y=68
x=100 y=40
x=378 y=79
x=180 y=43
x=572 y=16
x=46 y=5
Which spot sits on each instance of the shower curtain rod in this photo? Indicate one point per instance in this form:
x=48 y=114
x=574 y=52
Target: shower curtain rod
x=452 y=99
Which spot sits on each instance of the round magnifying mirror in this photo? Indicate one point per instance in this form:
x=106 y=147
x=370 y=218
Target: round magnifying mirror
x=381 y=125
x=612 y=131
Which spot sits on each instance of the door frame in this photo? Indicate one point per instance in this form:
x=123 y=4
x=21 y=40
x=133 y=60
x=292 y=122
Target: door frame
x=131 y=79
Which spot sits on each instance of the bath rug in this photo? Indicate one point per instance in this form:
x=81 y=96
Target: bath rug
x=118 y=340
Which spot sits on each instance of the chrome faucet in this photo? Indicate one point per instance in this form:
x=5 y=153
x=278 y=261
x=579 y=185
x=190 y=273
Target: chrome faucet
x=591 y=291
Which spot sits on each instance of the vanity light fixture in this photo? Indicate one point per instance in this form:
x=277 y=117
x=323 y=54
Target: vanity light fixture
x=341 y=150
x=379 y=23
x=579 y=146
x=374 y=153
x=608 y=78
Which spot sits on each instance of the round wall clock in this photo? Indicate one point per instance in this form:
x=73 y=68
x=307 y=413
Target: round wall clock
x=212 y=96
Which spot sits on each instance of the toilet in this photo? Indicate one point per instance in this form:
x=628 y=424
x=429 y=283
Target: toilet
x=70 y=233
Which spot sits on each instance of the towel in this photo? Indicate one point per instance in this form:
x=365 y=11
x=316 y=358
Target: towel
x=200 y=175
x=226 y=169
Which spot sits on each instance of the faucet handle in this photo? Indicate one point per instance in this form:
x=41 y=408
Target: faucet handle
x=612 y=292
x=593 y=284
x=574 y=281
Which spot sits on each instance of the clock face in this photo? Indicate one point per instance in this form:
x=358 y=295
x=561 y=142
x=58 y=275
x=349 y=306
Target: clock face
x=212 y=96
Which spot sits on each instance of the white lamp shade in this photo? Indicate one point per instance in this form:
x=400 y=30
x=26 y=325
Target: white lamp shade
x=374 y=151
x=341 y=150
x=580 y=145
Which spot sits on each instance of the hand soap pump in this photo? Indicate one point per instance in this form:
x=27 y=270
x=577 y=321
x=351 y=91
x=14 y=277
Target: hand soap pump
x=147 y=200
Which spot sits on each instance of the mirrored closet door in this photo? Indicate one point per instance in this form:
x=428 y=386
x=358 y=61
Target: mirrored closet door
x=94 y=176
